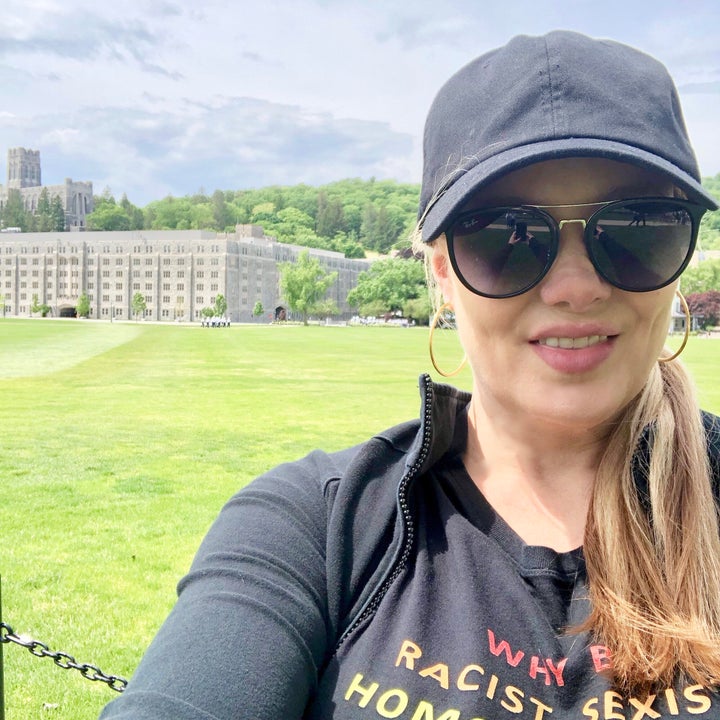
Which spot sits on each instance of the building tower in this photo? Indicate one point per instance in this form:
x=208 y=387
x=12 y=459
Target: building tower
x=23 y=168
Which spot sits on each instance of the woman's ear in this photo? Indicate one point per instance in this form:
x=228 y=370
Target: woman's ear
x=442 y=272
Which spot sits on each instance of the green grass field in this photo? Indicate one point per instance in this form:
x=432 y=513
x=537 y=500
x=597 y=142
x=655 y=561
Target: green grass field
x=120 y=443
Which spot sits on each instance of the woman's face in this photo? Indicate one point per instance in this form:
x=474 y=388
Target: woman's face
x=615 y=336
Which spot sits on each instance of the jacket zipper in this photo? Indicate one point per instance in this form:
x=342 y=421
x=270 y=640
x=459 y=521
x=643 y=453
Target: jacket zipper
x=409 y=534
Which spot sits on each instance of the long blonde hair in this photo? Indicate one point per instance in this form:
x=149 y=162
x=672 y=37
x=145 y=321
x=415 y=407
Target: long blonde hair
x=652 y=538
x=653 y=553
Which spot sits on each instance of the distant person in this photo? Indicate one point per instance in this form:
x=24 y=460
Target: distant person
x=545 y=547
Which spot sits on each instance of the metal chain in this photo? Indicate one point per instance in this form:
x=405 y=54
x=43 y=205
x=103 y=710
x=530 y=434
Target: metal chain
x=61 y=659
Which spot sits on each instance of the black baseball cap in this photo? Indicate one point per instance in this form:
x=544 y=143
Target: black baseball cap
x=555 y=96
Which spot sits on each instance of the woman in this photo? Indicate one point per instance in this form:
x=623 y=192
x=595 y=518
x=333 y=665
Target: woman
x=544 y=547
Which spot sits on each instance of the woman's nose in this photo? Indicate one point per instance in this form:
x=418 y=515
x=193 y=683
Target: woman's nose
x=573 y=280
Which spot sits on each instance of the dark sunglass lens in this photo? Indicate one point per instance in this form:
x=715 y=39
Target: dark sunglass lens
x=501 y=252
x=641 y=245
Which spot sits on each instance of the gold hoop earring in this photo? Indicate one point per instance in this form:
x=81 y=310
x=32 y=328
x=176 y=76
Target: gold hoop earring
x=688 y=320
x=433 y=325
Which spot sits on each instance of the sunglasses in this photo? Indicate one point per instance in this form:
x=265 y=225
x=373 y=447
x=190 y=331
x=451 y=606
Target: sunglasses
x=636 y=245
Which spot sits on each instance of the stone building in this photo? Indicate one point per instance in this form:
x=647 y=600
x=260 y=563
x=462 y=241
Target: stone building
x=178 y=272
x=24 y=175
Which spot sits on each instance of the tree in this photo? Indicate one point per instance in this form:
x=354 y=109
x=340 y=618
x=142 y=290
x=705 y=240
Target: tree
x=388 y=285
x=134 y=213
x=108 y=216
x=222 y=217
x=418 y=309
x=13 y=214
x=38 y=307
x=705 y=276
x=304 y=283
x=82 y=309
x=325 y=308
x=138 y=304
x=43 y=214
x=330 y=216
x=57 y=213
x=705 y=306
x=220 y=306
x=258 y=310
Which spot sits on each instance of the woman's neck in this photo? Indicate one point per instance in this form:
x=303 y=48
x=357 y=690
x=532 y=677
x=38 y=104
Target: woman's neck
x=538 y=479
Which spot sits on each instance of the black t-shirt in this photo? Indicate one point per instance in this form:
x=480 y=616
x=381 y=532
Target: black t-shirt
x=477 y=628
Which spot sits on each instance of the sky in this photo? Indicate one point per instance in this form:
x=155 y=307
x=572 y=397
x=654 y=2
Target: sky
x=171 y=97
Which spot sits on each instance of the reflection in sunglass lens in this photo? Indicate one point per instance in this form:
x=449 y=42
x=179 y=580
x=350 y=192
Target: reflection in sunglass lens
x=501 y=252
x=640 y=246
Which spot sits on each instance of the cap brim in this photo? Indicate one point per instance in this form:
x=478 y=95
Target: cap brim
x=441 y=210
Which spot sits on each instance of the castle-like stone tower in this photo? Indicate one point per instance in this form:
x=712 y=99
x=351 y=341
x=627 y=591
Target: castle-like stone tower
x=23 y=174
x=23 y=168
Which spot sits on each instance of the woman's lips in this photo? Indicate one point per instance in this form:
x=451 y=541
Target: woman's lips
x=574 y=354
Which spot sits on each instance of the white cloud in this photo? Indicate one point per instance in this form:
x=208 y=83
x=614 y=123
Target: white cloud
x=155 y=97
